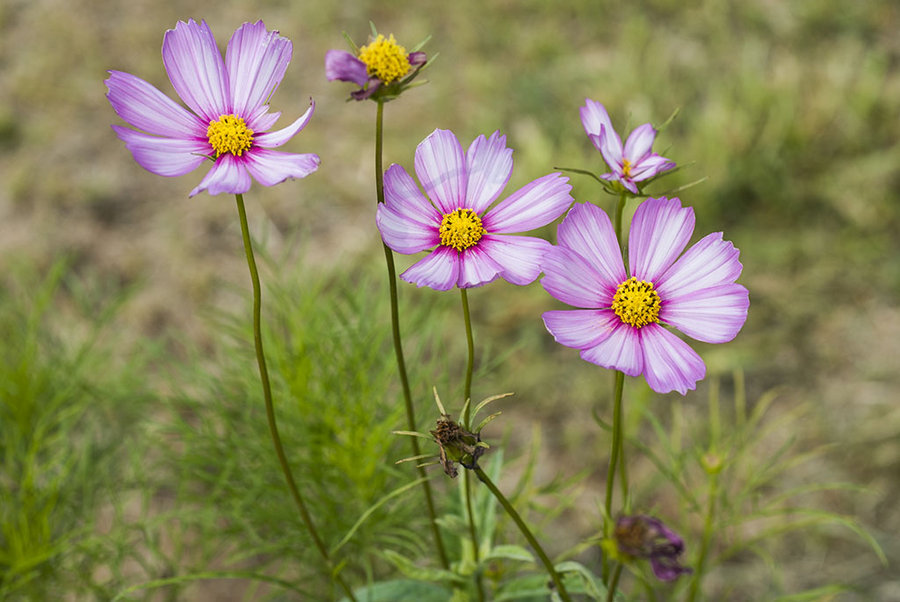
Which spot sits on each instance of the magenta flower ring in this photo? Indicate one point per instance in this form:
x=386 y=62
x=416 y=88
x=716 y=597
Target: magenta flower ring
x=228 y=121
x=620 y=325
x=471 y=243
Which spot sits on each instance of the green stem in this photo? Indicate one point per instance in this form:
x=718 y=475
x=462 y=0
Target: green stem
x=615 y=450
x=561 y=588
x=712 y=494
x=614 y=583
x=270 y=406
x=398 y=344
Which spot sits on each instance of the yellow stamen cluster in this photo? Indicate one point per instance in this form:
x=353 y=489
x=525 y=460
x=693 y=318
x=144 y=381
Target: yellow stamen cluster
x=229 y=135
x=626 y=168
x=461 y=229
x=385 y=59
x=636 y=302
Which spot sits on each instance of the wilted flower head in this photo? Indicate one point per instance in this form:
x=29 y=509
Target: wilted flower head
x=230 y=119
x=646 y=537
x=635 y=163
x=381 y=68
x=620 y=325
x=456 y=445
x=473 y=243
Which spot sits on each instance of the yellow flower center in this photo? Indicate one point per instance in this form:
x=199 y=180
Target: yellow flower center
x=229 y=135
x=626 y=168
x=636 y=302
x=385 y=59
x=461 y=229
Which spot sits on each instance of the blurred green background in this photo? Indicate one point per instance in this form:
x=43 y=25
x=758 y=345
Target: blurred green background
x=789 y=108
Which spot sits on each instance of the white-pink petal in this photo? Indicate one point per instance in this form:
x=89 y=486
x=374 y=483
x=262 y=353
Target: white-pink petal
x=571 y=279
x=255 y=60
x=519 y=257
x=438 y=270
x=402 y=233
x=594 y=118
x=146 y=108
x=164 y=156
x=403 y=196
x=489 y=165
x=611 y=149
x=588 y=231
x=621 y=350
x=269 y=167
x=534 y=205
x=639 y=142
x=650 y=166
x=476 y=268
x=196 y=69
x=660 y=230
x=228 y=174
x=669 y=363
x=581 y=328
x=712 y=315
x=710 y=262
x=279 y=137
x=441 y=167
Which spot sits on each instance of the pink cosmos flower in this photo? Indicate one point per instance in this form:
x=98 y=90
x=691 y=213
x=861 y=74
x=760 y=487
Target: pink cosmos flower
x=621 y=324
x=636 y=162
x=381 y=66
x=473 y=246
x=230 y=119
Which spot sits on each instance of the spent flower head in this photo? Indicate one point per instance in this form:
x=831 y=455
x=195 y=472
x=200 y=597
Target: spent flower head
x=641 y=536
x=382 y=68
x=620 y=325
x=471 y=242
x=229 y=121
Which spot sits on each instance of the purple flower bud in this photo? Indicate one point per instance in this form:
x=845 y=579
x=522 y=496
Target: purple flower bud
x=643 y=536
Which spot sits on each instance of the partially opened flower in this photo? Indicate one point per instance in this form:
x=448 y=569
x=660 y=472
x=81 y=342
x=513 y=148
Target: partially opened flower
x=473 y=246
x=641 y=536
x=636 y=162
x=621 y=325
x=382 y=66
x=230 y=119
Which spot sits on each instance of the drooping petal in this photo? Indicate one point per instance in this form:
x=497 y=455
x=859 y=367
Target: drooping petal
x=649 y=167
x=255 y=60
x=710 y=262
x=269 y=167
x=594 y=118
x=343 y=66
x=438 y=270
x=164 y=156
x=441 y=167
x=146 y=108
x=581 y=328
x=279 y=137
x=405 y=225
x=621 y=350
x=196 y=69
x=711 y=315
x=519 y=257
x=669 y=363
x=571 y=279
x=261 y=120
x=534 y=205
x=476 y=268
x=489 y=165
x=587 y=231
x=639 y=142
x=660 y=230
x=228 y=174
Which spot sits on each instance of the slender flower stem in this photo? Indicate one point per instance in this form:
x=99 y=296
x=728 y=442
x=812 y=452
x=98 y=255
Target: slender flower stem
x=615 y=450
x=620 y=208
x=561 y=588
x=398 y=344
x=712 y=494
x=270 y=407
x=614 y=583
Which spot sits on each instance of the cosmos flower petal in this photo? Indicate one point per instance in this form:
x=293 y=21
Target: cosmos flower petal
x=269 y=167
x=712 y=315
x=594 y=118
x=660 y=230
x=581 y=328
x=164 y=156
x=403 y=196
x=649 y=167
x=228 y=174
x=519 y=257
x=710 y=262
x=611 y=148
x=587 y=230
x=476 y=268
x=279 y=137
x=669 y=363
x=621 y=350
x=146 y=108
x=255 y=60
x=441 y=167
x=574 y=281
x=196 y=69
x=343 y=66
x=402 y=233
x=489 y=165
x=639 y=142
x=438 y=270
x=534 y=205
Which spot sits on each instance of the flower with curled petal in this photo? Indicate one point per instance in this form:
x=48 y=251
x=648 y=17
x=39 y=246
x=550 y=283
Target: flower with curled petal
x=382 y=69
x=229 y=120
